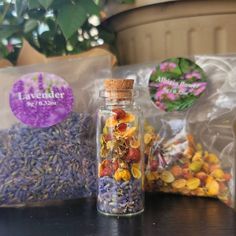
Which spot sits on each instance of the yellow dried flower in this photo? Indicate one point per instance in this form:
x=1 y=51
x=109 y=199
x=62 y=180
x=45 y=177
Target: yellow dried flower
x=197 y=156
x=196 y=166
x=122 y=174
x=199 y=147
x=129 y=132
x=111 y=122
x=128 y=118
x=137 y=174
x=152 y=176
x=147 y=138
x=149 y=128
x=103 y=152
x=212 y=188
x=179 y=183
x=125 y=175
x=212 y=158
x=167 y=177
x=110 y=145
x=134 y=143
x=193 y=183
x=218 y=174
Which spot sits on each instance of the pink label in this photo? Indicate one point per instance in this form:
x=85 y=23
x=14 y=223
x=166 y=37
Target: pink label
x=41 y=99
x=176 y=84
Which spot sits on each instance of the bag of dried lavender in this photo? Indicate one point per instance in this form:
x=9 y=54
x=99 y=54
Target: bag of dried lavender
x=190 y=125
x=47 y=131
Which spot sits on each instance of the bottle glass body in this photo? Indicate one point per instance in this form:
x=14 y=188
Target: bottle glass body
x=119 y=157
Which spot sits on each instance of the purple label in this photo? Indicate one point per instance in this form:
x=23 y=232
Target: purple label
x=41 y=99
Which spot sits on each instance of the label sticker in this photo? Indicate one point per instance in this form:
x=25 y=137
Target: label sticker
x=41 y=99
x=176 y=84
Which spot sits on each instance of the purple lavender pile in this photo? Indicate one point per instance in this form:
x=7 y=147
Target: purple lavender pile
x=122 y=197
x=42 y=164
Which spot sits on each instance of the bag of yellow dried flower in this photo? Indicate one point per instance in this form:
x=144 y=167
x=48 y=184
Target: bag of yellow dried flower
x=189 y=129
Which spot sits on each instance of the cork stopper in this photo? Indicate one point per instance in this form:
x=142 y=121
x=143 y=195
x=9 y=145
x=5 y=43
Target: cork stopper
x=118 y=84
x=119 y=89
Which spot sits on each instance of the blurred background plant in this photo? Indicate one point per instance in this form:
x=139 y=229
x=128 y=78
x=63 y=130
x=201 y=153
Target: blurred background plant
x=53 y=27
x=10 y=32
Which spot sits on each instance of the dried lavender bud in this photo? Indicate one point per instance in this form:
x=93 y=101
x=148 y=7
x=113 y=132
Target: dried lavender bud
x=41 y=164
x=119 y=197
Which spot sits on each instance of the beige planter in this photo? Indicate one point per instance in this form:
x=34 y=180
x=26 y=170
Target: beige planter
x=4 y=63
x=180 y=28
x=28 y=55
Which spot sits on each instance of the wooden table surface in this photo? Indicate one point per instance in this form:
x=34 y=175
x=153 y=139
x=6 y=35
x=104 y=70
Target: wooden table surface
x=164 y=215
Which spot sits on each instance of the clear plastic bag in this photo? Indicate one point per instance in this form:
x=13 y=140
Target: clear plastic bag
x=192 y=152
x=57 y=162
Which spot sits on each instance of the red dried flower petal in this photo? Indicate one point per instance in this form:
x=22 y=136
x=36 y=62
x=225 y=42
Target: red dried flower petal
x=119 y=113
x=133 y=155
x=122 y=127
x=153 y=165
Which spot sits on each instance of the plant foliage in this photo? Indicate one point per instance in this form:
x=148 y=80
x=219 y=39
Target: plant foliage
x=53 y=27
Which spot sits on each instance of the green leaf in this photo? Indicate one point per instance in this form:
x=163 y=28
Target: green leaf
x=32 y=4
x=30 y=25
x=74 y=40
x=90 y=7
x=176 y=72
x=21 y=6
x=71 y=18
x=46 y=3
x=7 y=31
x=185 y=67
x=3 y=51
x=181 y=104
x=57 y=4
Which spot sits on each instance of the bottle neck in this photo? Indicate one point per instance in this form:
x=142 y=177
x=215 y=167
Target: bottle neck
x=117 y=98
x=118 y=102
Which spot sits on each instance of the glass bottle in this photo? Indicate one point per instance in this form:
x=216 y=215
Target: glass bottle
x=119 y=151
